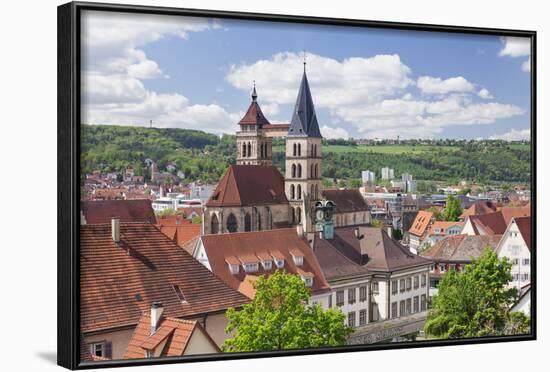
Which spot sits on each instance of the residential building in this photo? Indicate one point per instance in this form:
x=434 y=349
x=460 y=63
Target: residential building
x=523 y=303
x=516 y=246
x=387 y=173
x=368 y=177
x=125 y=268
x=478 y=208
x=419 y=229
x=454 y=253
x=159 y=336
x=439 y=230
x=373 y=279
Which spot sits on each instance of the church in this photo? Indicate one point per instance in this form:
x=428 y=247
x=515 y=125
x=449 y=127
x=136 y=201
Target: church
x=254 y=196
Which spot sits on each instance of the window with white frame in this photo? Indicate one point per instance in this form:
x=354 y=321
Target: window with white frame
x=441 y=268
x=515 y=250
x=526 y=261
x=416 y=282
x=432 y=268
x=423 y=281
x=351 y=296
x=423 y=302
x=401 y=285
x=298 y=260
x=408 y=306
x=234 y=269
x=351 y=319
x=308 y=280
x=515 y=276
x=280 y=263
x=394 y=285
x=402 y=308
x=375 y=287
x=394 y=309
x=363 y=293
x=515 y=261
x=340 y=298
x=525 y=276
x=409 y=281
x=101 y=349
x=415 y=304
x=362 y=317
x=267 y=265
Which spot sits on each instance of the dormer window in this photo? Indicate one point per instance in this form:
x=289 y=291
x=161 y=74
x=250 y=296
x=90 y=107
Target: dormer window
x=297 y=256
x=251 y=267
x=234 y=269
x=233 y=264
x=280 y=263
x=267 y=265
x=308 y=281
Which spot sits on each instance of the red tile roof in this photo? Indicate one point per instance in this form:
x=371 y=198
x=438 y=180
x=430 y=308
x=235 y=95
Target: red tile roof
x=479 y=208
x=421 y=223
x=246 y=185
x=524 y=226
x=221 y=248
x=101 y=211
x=181 y=234
x=118 y=282
x=176 y=332
x=496 y=223
x=442 y=226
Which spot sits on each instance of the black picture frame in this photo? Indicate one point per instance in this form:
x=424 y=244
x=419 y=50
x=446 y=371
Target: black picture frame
x=68 y=109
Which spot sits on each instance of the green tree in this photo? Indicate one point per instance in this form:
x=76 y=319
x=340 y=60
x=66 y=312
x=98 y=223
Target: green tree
x=475 y=302
x=196 y=219
x=436 y=212
x=376 y=223
x=452 y=210
x=166 y=212
x=396 y=234
x=279 y=318
x=355 y=183
x=327 y=183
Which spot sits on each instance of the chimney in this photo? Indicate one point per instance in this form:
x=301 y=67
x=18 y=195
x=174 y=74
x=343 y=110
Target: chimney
x=357 y=235
x=115 y=229
x=156 y=313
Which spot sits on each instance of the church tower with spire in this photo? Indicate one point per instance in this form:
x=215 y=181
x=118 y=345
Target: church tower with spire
x=303 y=172
x=253 y=146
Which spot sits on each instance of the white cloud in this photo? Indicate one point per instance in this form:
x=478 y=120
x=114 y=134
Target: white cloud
x=334 y=133
x=515 y=47
x=114 y=67
x=526 y=66
x=513 y=135
x=432 y=85
x=351 y=81
x=485 y=94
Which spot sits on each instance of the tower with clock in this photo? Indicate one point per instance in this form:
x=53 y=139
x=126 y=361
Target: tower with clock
x=324 y=210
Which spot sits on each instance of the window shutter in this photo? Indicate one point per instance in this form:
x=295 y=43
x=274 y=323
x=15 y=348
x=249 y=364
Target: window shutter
x=108 y=350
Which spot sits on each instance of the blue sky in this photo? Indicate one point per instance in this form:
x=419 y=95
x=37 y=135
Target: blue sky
x=370 y=83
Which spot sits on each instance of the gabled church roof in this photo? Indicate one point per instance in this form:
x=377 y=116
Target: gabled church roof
x=249 y=185
x=304 y=120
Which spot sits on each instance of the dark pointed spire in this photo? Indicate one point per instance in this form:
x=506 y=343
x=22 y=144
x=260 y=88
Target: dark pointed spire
x=304 y=120
x=254 y=94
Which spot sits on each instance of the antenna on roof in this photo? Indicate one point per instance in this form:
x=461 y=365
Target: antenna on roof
x=304 y=60
x=254 y=94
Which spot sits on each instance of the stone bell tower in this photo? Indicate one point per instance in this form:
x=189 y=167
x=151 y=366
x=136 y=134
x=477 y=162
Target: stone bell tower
x=253 y=146
x=303 y=171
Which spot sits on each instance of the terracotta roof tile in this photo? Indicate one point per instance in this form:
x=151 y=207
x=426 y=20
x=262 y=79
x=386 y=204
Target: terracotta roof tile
x=254 y=116
x=118 y=282
x=176 y=333
x=246 y=185
x=421 y=223
x=102 y=211
x=524 y=226
x=221 y=247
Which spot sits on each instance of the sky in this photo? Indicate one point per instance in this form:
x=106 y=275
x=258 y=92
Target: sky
x=198 y=73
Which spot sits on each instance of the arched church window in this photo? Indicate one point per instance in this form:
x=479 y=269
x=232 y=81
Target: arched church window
x=298 y=214
x=311 y=171
x=244 y=150
x=299 y=192
x=316 y=171
x=249 y=149
x=299 y=170
x=299 y=149
x=259 y=222
x=294 y=152
x=292 y=192
x=231 y=223
x=214 y=224
x=293 y=170
x=293 y=215
x=247 y=222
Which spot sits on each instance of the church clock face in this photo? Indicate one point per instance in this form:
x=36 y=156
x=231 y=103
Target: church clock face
x=320 y=214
